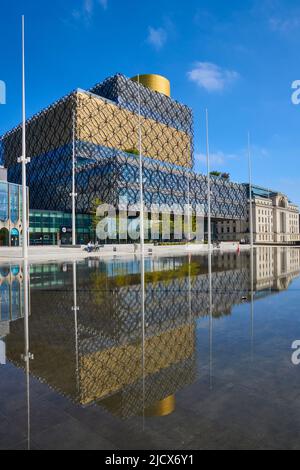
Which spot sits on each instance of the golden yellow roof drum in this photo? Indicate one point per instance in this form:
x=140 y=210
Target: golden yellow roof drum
x=155 y=83
x=163 y=407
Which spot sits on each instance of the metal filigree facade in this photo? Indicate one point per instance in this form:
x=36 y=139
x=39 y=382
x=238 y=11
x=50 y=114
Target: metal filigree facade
x=103 y=124
x=99 y=356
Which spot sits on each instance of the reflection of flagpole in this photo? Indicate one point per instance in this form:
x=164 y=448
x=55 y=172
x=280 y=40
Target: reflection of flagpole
x=75 y=310
x=252 y=299
x=209 y=254
x=251 y=243
x=190 y=293
x=143 y=331
x=210 y=318
x=27 y=355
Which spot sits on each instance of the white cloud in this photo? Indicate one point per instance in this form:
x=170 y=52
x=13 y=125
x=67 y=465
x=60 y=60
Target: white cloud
x=284 y=25
x=211 y=77
x=87 y=8
x=103 y=3
x=216 y=158
x=157 y=37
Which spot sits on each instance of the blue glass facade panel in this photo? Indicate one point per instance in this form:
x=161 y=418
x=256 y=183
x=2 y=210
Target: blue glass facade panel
x=3 y=201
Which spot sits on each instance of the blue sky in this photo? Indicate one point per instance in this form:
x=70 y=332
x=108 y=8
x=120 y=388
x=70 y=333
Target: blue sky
x=237 y=58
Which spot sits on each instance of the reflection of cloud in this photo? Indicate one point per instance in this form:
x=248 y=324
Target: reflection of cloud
x=157 y=37
x=211 y=77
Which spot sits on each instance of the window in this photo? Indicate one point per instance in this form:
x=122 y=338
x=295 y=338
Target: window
x=14 y=203
x=3 y=201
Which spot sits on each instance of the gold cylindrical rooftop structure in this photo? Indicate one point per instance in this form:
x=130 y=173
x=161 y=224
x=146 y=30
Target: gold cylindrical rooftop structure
x=155 y=83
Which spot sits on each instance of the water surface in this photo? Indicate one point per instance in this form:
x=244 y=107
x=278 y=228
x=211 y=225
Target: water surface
x=186 y=357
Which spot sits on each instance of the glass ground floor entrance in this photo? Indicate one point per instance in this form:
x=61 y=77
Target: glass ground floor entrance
x=55 y=228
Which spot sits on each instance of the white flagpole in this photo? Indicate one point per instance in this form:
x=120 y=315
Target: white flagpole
x=73 y=194
x=208 y=184
x=250 y=193
x=23 y=158
x=141 y=172
x=189 y=215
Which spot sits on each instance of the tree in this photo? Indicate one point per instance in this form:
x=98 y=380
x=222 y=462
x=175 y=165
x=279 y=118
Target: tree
x=215 y=173
x=133 y=151
x=218 y=174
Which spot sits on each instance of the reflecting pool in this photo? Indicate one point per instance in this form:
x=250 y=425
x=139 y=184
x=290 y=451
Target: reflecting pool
x=187 y=352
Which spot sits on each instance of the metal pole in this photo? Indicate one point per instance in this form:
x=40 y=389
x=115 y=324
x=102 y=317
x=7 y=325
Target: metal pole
x=142 y=254
x=141 y=172
x=250 y=193
x=208 y=184
x=252 y=299
x=210 y=299
x=73 y=194
x=143 y=295
x=27 y=355
x=251 y=245
x=75 y=309
x=188 y=198
x=210 y=304
x=23 y=158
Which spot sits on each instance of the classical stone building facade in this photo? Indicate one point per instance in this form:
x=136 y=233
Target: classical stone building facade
x=275 y=220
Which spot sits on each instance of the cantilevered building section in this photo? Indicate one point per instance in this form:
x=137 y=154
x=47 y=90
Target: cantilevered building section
x=105 y=123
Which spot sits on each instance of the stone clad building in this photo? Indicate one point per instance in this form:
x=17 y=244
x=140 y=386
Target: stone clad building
x=275 y=220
